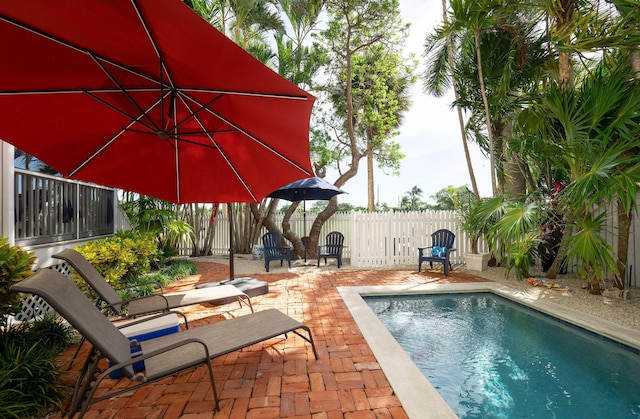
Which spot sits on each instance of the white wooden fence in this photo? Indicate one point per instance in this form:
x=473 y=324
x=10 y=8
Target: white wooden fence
x=392 y=238
x=373 y=239
x=384 y=239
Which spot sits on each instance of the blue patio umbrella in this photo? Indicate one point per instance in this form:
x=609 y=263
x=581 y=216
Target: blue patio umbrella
x=307 y=189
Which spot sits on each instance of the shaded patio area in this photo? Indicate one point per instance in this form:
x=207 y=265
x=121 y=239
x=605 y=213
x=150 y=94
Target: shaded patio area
x=280 y=377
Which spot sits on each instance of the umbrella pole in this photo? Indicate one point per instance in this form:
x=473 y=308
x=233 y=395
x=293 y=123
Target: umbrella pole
x=231 y=268
x=304 y=228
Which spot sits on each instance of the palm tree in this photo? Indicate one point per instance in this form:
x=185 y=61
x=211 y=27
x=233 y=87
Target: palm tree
x=434 y=86
x=591 y=133
x=473 y=17
x=507 y=49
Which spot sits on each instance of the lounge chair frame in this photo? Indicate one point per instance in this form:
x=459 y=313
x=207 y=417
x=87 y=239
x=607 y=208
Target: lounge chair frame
x=164 y=356
x=109 y=298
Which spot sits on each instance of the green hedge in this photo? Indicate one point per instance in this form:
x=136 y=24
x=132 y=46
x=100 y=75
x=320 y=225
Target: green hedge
x=122 y=257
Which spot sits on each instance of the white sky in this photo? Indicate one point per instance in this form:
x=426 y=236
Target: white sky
x=429 y=135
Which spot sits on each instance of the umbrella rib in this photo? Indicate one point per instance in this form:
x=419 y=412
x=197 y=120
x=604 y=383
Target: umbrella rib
x=179 y=138
x=193 y=114
x=98 y=151
x=143 y=22
x=239 y=93
x=152 y=129
x=74 y=47
x=249 y=135
x=73 y=91
x=214 y=144
x=122 y=89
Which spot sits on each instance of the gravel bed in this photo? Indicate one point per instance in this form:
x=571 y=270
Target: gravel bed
x=625 y=312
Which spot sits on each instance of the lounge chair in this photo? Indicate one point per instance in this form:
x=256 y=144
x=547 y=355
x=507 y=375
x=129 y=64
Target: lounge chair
x=148 y=304
x=332 y=248
x=441 y=248
x=163 y=356
x=274 y=250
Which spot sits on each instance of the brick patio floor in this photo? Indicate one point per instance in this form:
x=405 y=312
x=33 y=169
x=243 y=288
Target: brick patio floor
x=280 y=377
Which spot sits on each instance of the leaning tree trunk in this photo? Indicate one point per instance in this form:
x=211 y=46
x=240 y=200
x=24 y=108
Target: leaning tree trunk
x=552 y=273
x=485 y=101
x=298 y=245
x=463 y=132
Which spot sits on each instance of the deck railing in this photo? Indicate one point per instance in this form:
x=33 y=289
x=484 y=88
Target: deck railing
x=50 y=209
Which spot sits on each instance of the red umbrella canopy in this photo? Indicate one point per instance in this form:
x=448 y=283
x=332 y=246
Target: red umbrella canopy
x=146 y=96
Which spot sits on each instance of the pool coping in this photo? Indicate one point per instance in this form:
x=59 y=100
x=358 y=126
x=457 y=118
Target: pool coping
x=418 y=397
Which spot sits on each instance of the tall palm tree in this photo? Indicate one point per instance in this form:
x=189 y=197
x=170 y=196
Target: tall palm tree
x=512 y=58
x=473 y=17
x=434 y=88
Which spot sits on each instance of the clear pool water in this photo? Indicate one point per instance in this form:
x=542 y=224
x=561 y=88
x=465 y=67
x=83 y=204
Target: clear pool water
x=492 y=358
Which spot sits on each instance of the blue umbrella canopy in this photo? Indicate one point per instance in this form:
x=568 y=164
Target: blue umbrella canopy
x=308 y=189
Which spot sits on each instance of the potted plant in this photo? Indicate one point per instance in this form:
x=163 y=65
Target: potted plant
x=473 y=224
x=475 y=228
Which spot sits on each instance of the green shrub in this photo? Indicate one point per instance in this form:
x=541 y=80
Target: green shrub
x=15 y=265
x=173 y=271
x=121 y=257
x=179 y=269
x=29 y=376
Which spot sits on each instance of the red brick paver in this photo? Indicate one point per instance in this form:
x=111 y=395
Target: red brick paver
x=278 y=378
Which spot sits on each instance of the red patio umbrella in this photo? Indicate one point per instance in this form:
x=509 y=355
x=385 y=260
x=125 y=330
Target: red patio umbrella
x=146 y=96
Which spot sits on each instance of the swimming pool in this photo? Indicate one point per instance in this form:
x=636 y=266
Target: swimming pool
x=418 y=395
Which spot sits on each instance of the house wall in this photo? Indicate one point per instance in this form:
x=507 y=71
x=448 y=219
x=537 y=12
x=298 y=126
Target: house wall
x=7 y=212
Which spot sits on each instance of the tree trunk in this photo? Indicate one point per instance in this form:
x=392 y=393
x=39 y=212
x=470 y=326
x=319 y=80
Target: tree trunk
x=297 y=245
x=371 y=202
x=624 y=229
x=487 y=115
x=463 y=132
x=565 y=70
x=552 y=273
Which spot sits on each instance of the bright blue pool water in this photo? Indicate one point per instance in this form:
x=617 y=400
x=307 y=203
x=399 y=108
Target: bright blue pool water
x=489 y=357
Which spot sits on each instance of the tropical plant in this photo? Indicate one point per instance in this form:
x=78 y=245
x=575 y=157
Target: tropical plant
x=160 y=219
x=15 y=265
x=411 y=201
x=590 y=134
x=464 y=204
x=30 y=384
x=511 y=229
x=146 y=284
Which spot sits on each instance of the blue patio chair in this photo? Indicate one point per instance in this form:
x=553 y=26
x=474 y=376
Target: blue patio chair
x=441 y=248
x=332 y=248
x=274 y=250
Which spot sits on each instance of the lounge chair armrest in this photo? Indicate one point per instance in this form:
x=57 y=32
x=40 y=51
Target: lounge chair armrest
x=168 y=348
x=155 y=283
x=161 y=298
x=155 y=316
